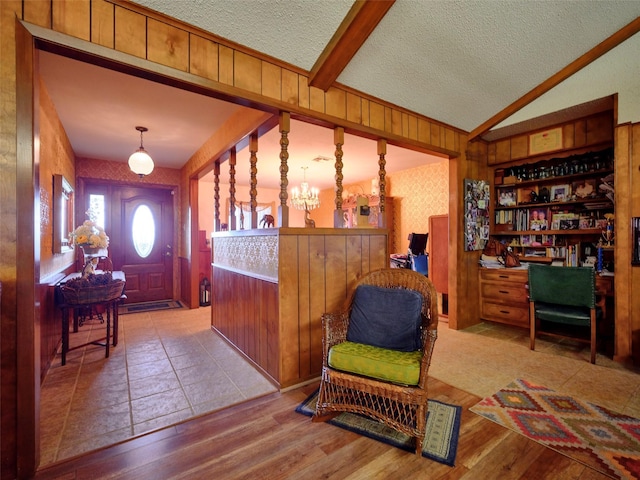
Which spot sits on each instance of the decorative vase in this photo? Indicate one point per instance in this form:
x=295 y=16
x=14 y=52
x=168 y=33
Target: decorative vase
x=91 y=251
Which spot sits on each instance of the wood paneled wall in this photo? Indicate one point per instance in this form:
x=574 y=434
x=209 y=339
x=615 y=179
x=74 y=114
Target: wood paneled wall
x=464 y=310
x=277 y=324
x=318 y=268
x=627 y=277
x=583 y=132
x=245 y=310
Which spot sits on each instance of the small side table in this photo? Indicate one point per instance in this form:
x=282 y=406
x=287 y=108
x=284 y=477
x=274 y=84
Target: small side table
x=111 y=309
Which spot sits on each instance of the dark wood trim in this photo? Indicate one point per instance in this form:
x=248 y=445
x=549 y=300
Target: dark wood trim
x=26 y=445
x=194 y=301
x=362 y=19
x=596 y=52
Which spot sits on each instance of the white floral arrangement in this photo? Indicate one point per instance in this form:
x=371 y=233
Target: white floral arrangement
x=89 y=234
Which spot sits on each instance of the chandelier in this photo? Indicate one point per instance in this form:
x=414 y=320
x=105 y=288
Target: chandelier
x=140 y=162
x=306 y=198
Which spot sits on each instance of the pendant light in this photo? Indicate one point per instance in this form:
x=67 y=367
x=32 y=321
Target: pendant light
x=140 y=162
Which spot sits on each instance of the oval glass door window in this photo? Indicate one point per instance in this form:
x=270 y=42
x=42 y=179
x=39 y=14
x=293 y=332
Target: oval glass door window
x=143 y=231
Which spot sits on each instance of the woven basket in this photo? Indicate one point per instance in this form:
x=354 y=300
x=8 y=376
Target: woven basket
x=95 y=294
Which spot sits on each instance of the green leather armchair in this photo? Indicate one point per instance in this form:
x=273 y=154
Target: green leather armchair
x=563 y=297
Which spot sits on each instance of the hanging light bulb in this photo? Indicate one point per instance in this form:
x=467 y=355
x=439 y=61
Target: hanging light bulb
x=140 y=162
x=306 y=198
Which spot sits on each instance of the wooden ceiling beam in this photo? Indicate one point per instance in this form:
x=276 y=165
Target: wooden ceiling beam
x=363 y=17
x=596 y=52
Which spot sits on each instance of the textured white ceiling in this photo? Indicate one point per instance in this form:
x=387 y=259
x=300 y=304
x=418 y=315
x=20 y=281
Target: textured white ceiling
x=457 y=61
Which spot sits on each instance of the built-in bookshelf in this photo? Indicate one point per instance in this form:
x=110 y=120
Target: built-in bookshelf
x=556 y=209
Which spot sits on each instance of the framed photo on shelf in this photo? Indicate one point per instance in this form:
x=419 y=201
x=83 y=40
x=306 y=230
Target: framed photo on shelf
x=560 y=193
x=538 y=219
x=507 y=197
x=585 y=188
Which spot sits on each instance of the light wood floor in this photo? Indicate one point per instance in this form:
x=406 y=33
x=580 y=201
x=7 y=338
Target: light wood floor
x=265 y=438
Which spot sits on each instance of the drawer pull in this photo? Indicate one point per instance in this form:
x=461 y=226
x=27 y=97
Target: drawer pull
x=503 y=276
x=505 y=311
x=503 y=291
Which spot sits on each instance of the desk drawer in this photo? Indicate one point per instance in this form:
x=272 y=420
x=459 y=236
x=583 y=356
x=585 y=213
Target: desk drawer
x=505 y=292
x=604 y=285
x=504 y=275
x=513 y=315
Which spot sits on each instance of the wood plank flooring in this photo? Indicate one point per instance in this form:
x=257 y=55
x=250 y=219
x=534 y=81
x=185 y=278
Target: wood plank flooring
x=265 y=439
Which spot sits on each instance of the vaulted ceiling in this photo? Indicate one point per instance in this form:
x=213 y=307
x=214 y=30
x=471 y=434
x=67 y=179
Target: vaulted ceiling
x=473 y=64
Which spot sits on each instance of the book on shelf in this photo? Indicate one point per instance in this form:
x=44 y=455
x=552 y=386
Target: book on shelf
x=503 y=217
x=572 y=258
x=556 y=252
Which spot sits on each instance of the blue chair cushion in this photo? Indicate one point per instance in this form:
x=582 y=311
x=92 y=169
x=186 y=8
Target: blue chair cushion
x=386 y=318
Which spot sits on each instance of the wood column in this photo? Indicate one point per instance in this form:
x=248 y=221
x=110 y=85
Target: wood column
x=253 y=191
x=382 y=151
x=216 y=196
x=283 y=209
x=627 y=321
x=338 y=140
x=232 y=189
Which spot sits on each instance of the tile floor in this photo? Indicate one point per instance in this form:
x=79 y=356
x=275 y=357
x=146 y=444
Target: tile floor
x=168 y=366
x=175 y=367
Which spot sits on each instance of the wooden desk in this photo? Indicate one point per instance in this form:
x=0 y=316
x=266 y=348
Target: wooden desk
x=504 y=295
x=111 y=308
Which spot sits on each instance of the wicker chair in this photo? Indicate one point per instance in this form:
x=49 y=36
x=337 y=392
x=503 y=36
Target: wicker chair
x=401 y=407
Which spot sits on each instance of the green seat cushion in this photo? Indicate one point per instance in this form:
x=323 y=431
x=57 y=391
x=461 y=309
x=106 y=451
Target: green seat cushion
x=578 y=316
x=375 y=362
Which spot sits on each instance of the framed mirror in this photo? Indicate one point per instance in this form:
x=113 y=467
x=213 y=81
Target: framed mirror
x=62 y=214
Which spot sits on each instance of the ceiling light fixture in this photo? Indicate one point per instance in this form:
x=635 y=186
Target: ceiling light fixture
x=140 y=162
x=306 y=198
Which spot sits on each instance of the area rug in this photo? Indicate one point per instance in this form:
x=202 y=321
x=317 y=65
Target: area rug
x=604 y=440
x=148 y=306
x=441 y=440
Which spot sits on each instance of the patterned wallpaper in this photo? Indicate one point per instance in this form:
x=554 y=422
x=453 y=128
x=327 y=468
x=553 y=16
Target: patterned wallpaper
x=120 y=172
x=251 y=254
x=418 y=193
x=56 y=158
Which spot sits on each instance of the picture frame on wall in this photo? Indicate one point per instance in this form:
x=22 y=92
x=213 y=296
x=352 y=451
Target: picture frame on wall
x=546 y=141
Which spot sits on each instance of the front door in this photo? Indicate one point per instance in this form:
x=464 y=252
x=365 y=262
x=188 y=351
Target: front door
x=139 y=222
x=147 y=253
